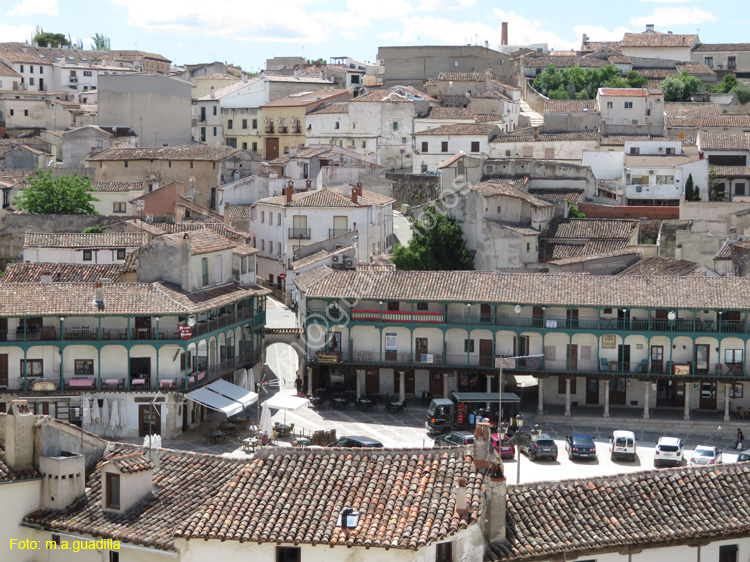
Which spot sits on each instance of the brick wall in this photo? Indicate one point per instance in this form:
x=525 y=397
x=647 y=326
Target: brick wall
x=594 y=211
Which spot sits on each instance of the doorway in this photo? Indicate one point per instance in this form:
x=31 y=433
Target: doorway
x=436 y=383
x=4 y=370
x=670 y=393
x=408 y=383
x=485 y=353
x=420 y=348
x=372 y=381
x=538 y=316
x=623 y=358
x=617 y=391
x=140 y=368
x=592 y=391
x=485 y=313
x=702 y=355
x=523 y=349
x=149 y=419
x=657 y=359
x=272 y=148
x=708 y=396
x=572 y=317
x=573 y=356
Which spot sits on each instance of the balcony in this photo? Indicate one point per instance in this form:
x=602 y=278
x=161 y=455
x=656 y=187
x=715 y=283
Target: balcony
x=270 y=129
x=332 y=232
x=297 y=130
x=283 y=129
x=299 y=233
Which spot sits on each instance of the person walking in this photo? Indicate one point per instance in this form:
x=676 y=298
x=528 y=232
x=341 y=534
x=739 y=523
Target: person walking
x=298 y=385
x=740 y=440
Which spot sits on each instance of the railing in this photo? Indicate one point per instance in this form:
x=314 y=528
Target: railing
x=337 y=231
x=269 y=129
x=299 y=233
x=603 y=324
x=283 y=129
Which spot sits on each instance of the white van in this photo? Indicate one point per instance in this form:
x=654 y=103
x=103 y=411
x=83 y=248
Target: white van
x=622 y=445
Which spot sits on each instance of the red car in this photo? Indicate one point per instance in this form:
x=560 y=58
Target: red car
x=507 y=451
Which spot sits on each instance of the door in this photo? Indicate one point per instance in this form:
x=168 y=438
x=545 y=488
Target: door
x=485 y=312
x=573 y=357
x=617 y=391
x=657 y=359
x=4 y=369
x=408 y=383
x=372 y=381
x=732 y=321
x=592 y=391
x=485 y=353
x=420 y=348
x=272 y=148
x=436 y=383
x=701 y=359
x=41 y=84
x=149 y=419
x=678 y=394
x=537 y=314
x=623 y=358
x=572 y=316
x=142 y=327
x=523 y=349
x=3 y=329
x=708 y=396
x=218 y=270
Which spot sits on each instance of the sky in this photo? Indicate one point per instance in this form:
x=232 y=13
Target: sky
x=247 y=32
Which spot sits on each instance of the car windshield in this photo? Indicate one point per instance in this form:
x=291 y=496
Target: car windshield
x=583 y=442
x=431 y=410
x=704 y=452
x=623 y=442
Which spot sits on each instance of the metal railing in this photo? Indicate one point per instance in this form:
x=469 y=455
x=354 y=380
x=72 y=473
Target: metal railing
x=299 y=233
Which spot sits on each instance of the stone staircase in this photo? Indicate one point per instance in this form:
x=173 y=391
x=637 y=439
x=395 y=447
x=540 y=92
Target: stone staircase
x=535 y=118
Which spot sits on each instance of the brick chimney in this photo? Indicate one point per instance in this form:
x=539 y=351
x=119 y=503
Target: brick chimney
x=289 y=192
x=19 y=436
x=185 y=272
x=355 y=192
x=359 y=188
x=504 y=37
x=308 y=185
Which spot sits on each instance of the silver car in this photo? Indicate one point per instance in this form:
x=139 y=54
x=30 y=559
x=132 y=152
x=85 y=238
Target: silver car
x=704 y=454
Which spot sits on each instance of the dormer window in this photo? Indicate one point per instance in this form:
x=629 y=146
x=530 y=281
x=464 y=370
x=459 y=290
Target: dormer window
x=112 y=498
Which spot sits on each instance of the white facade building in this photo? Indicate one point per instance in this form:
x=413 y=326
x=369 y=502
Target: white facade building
x=631 y=111
x=435 y=145
x=81 y=248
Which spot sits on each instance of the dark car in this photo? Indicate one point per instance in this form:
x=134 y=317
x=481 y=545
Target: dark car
x=507 y=450
x=357 y=441
x=544 y=447
x=454 y=438
x=580 y=445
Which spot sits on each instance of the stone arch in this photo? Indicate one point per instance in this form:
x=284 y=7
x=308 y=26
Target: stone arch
x=291 y=337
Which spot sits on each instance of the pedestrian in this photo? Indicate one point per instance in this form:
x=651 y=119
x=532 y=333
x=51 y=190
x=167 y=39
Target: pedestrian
x=740 y=440
x=298 y=385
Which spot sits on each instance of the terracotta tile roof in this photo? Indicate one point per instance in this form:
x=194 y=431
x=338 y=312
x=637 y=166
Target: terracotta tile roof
x=5 y=70
x=646 y=161
x=620 y=59
x=240 y=250
x=510 y=187
x=563 y=62
x=237 y=211
x=215 y=76
x=557 y=195
x=179 y=152
x=462 y=129
x=382 y=96
x=309 y=278
x=159 y=228
x=80 y=240
x=620 y=140
x=695 y=68
x=448 y=161
x=296 y=79
x=132 y=261
x=302 y=152
x=733 y=171
x=724 y=140
x=203 y=241
x=337 y=107
x=551 y=250
x=118 y=186
x=723 y=293
x=570 y=519
x=659 y=265
x=367 y=196
x=318 y=256
x=131 y=463
x=326 y=197
x=210 y=298
x=443 y=113
x=525 y=230
x=60 y=272
x=182 y=483
x=736 y=121
x=714 y=47
x=657 y=40
x=492 y=94
x=488 y=118
x=547 y=137
x=570 y=106
x=725 y=253
x=7 y=474
x=590 y=45
x=414 y=92
x=657 y=73
x=404 y=499
x=307 y=98
x=591 y=229
x=229 y=89
x=626 y=92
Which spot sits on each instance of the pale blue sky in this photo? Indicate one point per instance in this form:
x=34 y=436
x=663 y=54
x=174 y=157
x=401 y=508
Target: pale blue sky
x=246 y=32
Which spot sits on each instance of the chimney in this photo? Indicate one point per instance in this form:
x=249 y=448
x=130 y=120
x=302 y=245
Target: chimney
x=308 y=185
x=212 y=92
x=19 y=436
x=354 y=194
x=64 y=479
x=46 y=276
x=584 y=38
x=669 y=33
x=289 y=192
x=36 y=44
x=482 y=445
x=186 y=272
x=359 y=188
x=98 y=294
x=486 y=44
x=504 y=40
x=293 y=151
x=460 y=496
x=536 y=133
x=649 y=27
x=495 y=511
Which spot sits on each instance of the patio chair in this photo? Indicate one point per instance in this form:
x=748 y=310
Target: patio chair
x=603 y=364
x=642 y=366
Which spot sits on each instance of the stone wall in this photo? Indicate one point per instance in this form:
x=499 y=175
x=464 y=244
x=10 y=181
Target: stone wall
x=14 y=227
x=414 y=189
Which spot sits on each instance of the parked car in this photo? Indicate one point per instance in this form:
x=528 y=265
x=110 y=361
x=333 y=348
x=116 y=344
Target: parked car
x=507 y=451
x=454 y=438
x=544 y=447
x=704 y=454
x=357 y=441
x=622 y=445
x=668 y=451
x=580 y=445
x=744 y=456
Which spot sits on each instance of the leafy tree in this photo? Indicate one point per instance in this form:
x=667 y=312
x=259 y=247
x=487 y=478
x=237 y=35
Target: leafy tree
x=559 y=94
x=45 y=38
x=438 y=244
x=63 y=195
x=101 y=42
x=93 y=230
x=583 y=84
x=574 y=213
x=743 y=93
x=715 y=186
x=691 y=193
x=635 y=80
x=679 y=88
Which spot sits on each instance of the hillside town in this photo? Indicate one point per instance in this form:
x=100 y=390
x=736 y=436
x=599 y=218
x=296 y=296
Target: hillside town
x=458 y=303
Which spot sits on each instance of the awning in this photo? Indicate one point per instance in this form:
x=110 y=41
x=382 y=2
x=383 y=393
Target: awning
x=216 y=401
x=286 y=402
x=525 y=381
x=234 y=392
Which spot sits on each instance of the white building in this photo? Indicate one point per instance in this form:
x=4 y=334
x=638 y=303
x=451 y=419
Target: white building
x=435 y=145
x=651 y=44
x=630 y=111
x=81 y=248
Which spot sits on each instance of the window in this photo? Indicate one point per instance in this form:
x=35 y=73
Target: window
x=230 y=124
x=287 y=554
x=395 y=125
x=191 y=164
x=255 y=123
x=215 y=131
x=528 y=247
x=444 y=552
x=118 y=207
x=648 y=113
x=561 y=385
x=474 y=148
x=114 y=556
x=635 y=150
x=393 y=306
x=403 y=140
x=204 y=270
x=255 y=147
x=421 y=306
x=499 y=209
x=34 y=368
x=121 y=253
x=728 y=553
x=628 y=105
x=113 y=491
x=244 y=123
x=336 y=126
x=215 y=110
x=84 y=366
x=468 y=346
x=507 y=153
x=99 y=143
x=270 y=246
x=444 y=146
x=244 y=146
x=31 y=83
x=733 y=356
x=739 y=188
x=278 y=219
x=31 y=70
x=12 y=112
x=708 y=61
x=87 y=255
x=26 y=111
x=125 y=164
x=262 y=217
x=263 y=245
x=610 y=105
x=87 y=73
x=21 y=68
x=732 y=62
x=670 y=150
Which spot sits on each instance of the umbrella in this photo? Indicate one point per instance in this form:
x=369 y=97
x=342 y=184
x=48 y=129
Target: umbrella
x=114 y=419
x=105 y=412
x=265 y=420
x=95 y=410
x=286 y=402
x=251 y=381
x=86 y=415
x=122 y=413
x=243 y=379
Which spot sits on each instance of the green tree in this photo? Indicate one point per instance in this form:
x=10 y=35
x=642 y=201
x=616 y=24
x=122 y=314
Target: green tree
x=575 y=80
x=101 y=42
x=635 y=80
x=93 y=230
x=45 y=38
x=559 y=94
x=574 y=212
x=63 y=195
x=715 y=186
x=691 y=193
x=438 y=244
x=673 y=88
